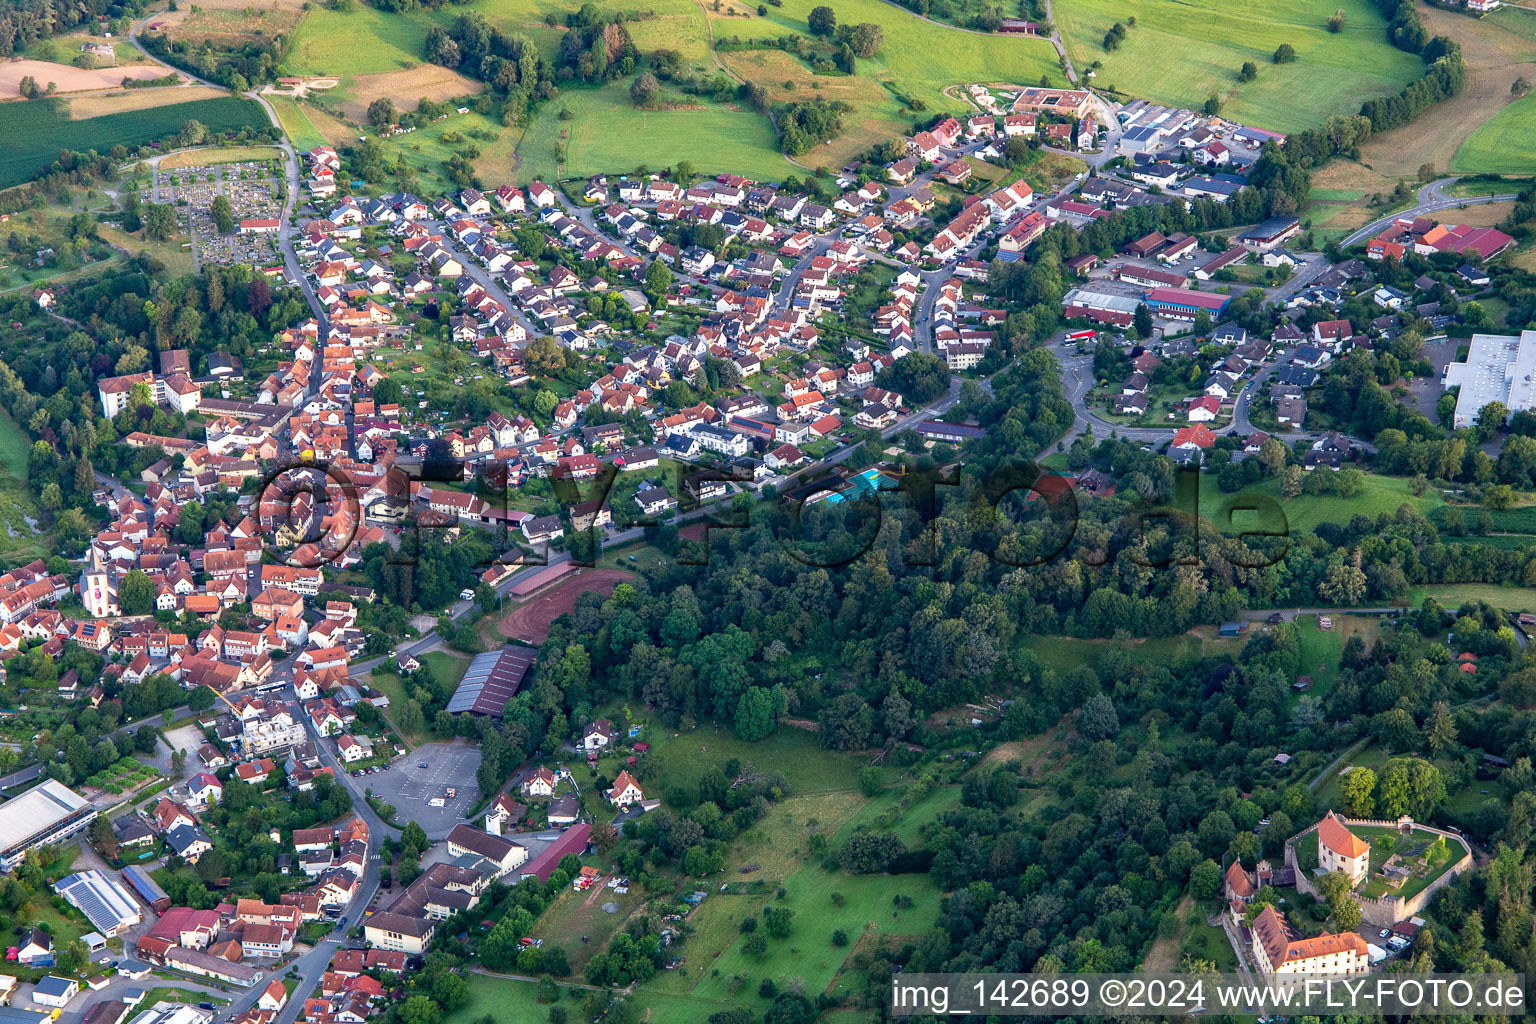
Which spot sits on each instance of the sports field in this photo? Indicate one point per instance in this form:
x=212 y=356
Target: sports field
x=1183 y=52
x=37 y=130
x=530 y=621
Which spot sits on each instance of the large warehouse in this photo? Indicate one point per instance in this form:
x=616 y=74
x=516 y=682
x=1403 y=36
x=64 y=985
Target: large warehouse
x=48 y=813
x=1499 y=368
x=102 y=900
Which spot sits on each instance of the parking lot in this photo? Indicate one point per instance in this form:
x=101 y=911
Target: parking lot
x=411 y=788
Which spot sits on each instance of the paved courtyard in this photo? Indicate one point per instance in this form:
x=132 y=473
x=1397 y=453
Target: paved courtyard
x=410 y=787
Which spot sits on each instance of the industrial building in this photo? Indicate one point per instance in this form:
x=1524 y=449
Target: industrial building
x=1498 y=368
x=1183 y=304
x=1100 y=307
x=104 y=901
x=47 y=813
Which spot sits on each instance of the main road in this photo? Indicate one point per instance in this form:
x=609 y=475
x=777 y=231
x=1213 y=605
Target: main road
x=1432 y=199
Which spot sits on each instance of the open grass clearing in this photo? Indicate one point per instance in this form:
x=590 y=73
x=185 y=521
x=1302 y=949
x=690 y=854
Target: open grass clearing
x=863 y=904
x=1453 y=595
x=878 y=813
x=231 y=24
x=429 y=149
x=1063 y=653
x=1163 y=957
x=1183 y=53
x=1371 y=756
x=63 y=49
x=1322 y=648
x=919 y=59
x=447 y=668
x=406 y=88
x=361 y=41
x=174 y=252
x=1303 y=513
x=508 y=1001
x=686 y=756
x=577 y=921
x=1501 y=145
x=21 y=540
x=604 y=133
x=874 y=116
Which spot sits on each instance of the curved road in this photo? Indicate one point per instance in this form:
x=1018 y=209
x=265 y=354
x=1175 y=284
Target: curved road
x=1432 y=199
x=133 y=37
x=1077 y=382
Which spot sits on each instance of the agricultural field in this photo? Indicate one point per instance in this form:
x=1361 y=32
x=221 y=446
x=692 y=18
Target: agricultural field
x=362 y=41
x=231 y=24
x=66 y=78
x=1183 y=53
x=39 y=129
x=1498 y=49
x=83 y=108
x=306 y=126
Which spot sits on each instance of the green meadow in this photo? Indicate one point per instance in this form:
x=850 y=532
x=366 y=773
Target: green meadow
x=1182 y=53
x=1503 y=143
x=598 y=128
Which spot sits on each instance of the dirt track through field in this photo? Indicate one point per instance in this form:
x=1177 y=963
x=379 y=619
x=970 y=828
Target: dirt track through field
x=1435 y=135
x=530 y=621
